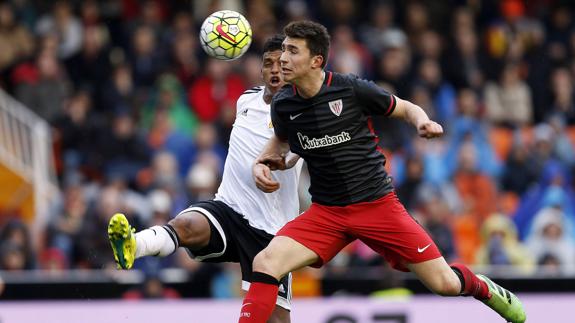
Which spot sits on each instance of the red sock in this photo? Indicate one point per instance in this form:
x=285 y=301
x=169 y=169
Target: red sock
x=470 y=284
x=260 y=300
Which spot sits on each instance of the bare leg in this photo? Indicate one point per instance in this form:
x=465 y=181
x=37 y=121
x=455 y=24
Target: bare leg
x=283 y=255
x=193 y=230
x=436 y=275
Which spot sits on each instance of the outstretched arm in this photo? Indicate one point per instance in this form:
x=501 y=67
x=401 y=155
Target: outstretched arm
x=415 y=115
x=272 y=157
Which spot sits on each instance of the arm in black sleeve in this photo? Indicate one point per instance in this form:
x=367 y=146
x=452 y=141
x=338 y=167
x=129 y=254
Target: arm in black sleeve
x=279 y=126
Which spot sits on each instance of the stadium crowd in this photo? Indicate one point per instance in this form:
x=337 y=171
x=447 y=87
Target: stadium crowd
x=141 y=118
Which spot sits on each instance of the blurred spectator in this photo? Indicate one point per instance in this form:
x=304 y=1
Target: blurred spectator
x=47 y=87
x=394 y=63
x=62 y=22
x=16 y=251
x=443 y=95
x=261 y=18
x=465 y=62
x=202 y=182
x=214 y=94
x=416 y=20
x=207 y=145
x=380 y=27
x=553 y=189
x=500 y=246
x=252 y=70
x=342 y=12
x=477 y=191
x=146 y=59
x=551 y=238
x=66 y=229
x=90 y=68
x=469 y=127
x=119 y=91
x=75 y=130
x=169 y=99
x=508 y=102
x=563 y=147
x=16 y=42
x=184 y=58
x=347 y=55
x=519 y=172
x=122 y=151
x=166 y=175
x=407 y=190
x=563 y=102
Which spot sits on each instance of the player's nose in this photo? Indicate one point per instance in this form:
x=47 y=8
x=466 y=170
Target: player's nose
x=283 y=58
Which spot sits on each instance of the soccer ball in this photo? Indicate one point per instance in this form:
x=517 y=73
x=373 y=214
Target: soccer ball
x=226 y=35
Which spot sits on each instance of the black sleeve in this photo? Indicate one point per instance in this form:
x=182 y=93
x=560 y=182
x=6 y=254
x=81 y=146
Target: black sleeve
x=373 y=99
x=279 y=127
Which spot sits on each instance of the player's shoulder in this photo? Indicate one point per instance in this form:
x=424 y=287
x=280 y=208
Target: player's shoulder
x=285 y=92
x=254 y=90
x=343 y=79
x=250 y=94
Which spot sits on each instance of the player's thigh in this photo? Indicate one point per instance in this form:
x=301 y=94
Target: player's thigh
x=283 y=255
x=437 y=275
x=192 y=228
x=321 y=230
x=386 y=227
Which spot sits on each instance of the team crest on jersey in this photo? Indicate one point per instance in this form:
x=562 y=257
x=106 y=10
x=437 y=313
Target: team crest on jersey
x=336 y=107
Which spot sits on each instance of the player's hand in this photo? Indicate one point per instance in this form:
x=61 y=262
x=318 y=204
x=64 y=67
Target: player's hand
x=263 y=178
x=273 y=161
x=429 y=129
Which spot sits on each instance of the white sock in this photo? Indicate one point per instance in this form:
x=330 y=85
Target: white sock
x=155 y=241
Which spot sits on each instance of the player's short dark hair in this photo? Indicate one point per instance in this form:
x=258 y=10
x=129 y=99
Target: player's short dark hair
x=315 y=35
x=273 y=43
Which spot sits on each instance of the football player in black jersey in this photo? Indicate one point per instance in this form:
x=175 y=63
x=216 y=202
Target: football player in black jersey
x=325 y=118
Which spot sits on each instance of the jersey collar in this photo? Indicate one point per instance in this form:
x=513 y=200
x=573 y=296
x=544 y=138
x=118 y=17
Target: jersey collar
x=326 y=81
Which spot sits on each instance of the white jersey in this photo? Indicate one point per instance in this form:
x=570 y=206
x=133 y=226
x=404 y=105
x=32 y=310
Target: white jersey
x=251 y=131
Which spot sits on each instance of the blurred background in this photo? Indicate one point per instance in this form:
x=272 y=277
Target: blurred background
x=111 y=106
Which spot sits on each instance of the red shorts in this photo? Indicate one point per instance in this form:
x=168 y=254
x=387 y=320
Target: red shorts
x=384 y=225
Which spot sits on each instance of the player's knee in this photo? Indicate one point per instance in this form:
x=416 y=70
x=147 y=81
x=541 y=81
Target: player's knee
x=264 y=262
x=447 y=285
x=192 y=228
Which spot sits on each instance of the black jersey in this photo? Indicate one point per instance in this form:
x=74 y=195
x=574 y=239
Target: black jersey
x=332 y=132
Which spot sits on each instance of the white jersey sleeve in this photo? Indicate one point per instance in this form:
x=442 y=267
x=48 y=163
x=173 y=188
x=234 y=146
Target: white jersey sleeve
x=251 y=131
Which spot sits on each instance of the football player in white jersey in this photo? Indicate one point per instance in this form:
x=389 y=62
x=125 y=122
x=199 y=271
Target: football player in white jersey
x=241 y=220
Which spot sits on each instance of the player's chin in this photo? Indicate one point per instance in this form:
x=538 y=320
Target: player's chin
x=287 y=76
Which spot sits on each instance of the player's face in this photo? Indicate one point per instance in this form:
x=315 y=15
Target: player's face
x=271 y=70
x=296 y=59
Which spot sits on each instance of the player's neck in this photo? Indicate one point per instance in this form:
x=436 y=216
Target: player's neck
x=268 y=95
x=309 y=86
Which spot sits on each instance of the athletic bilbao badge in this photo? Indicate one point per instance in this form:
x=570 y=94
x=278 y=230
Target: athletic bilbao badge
x=336 y=107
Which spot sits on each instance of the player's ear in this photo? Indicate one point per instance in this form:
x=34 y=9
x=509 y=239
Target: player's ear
x=317 y=61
